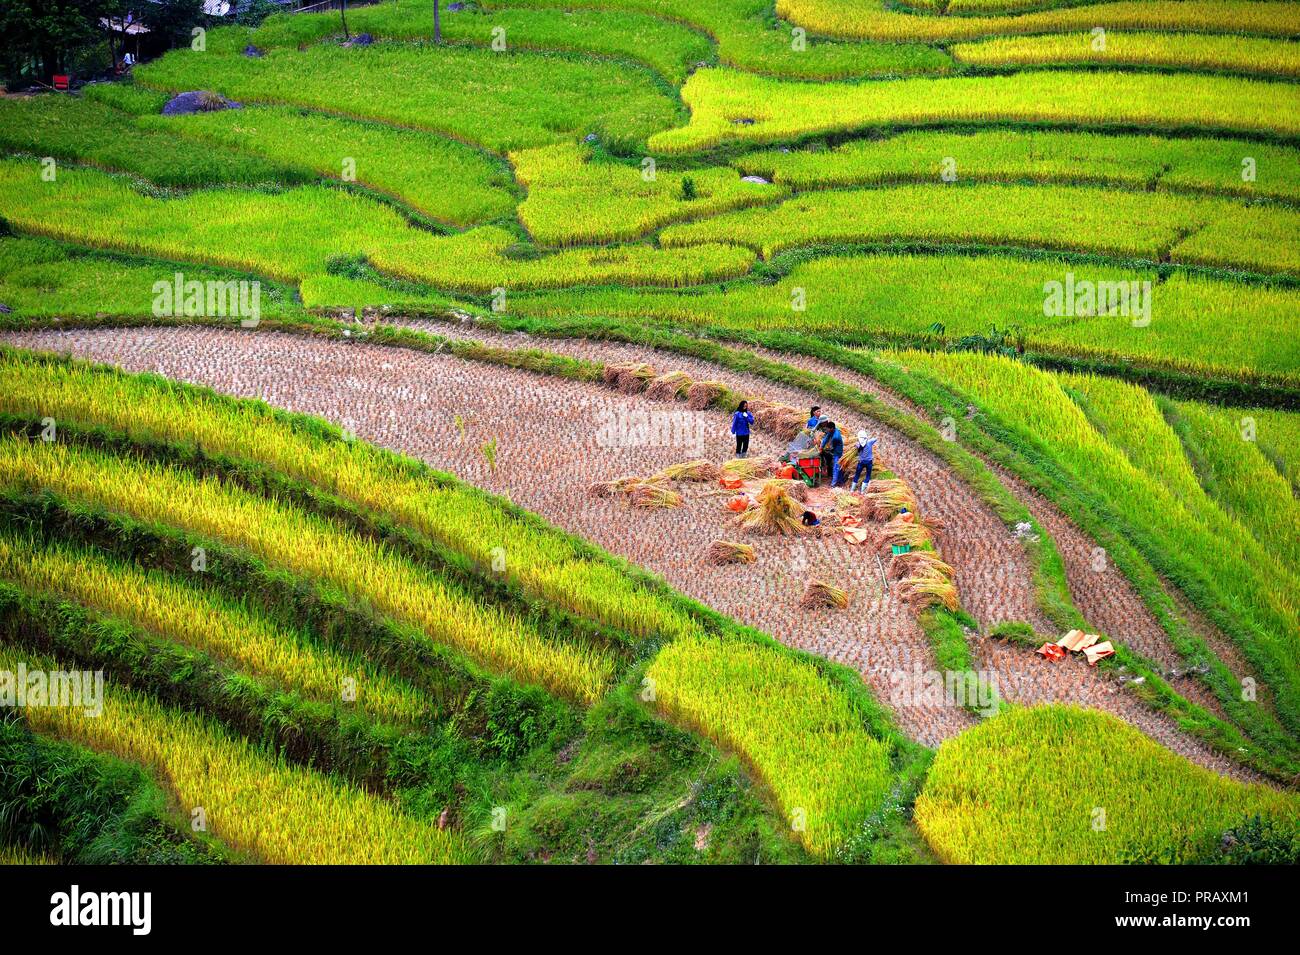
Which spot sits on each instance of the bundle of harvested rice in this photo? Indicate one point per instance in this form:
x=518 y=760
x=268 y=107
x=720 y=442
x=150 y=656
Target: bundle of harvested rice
x=647 y=494
x=670 y=387
x=885 y=498
x=928 y=589
x=691 y=471
x=776 y=512
x=630 y=379
x=846 y=503
x=918 y=563
x=703 y=394
x=617 y=486
x=913 y=533
x=849 y=459
x=729 y=552
x=748 y=469
x=819 y=594
x=636 y=379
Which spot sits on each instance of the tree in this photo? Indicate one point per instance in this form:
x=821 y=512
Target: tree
x=343 y=15
x=41 y=37
x=173 y=19
x=437 y=24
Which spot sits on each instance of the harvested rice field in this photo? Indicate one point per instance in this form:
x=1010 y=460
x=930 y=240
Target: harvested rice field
x=611 y=432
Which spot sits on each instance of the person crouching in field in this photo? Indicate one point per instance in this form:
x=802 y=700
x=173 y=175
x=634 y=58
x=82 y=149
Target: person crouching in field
x=740 y=424
x=866 y=452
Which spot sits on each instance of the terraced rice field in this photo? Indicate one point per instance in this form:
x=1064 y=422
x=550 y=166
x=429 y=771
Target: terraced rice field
x=367 y=430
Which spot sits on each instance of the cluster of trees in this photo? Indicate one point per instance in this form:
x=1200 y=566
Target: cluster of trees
x=39 y=38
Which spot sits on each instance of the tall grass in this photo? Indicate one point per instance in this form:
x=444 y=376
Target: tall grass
x=366 y=571
x=800 y=734
x=1061 y=785
x=1107 y=221
x=255 y=803
x=16 y=855
x=196 y=618
x=782 y=110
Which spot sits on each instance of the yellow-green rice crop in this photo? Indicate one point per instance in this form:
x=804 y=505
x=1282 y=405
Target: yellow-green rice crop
x=1278 y=436
x=39 y=277
x=501 y=101
x=541 y=559
x=1245 y=236
x=83 y=129
x=573 y=199
x=778 y=110
x=800 y=734
x=1201 y=326
x=444 y=179
x=254 y=803
x=1215 y=555
x=748 y=39
x=480 y=261
x=1162 y=162
x=669 y=48
x=315 y=548
x=1061 y=785
x=870 y=20
x=1108 y=221
x=1237 y=54
x=1241 y=479
x=166 y=607
x=340 y=291
x=294 y=234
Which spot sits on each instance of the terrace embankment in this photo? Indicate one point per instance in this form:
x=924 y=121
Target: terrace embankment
x=1105 y=597
x=549 y=448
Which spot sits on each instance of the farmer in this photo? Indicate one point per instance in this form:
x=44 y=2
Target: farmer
x=740 y=422
x=814 y=417
x=832 y=450
x=810 y=519
x=866 y=451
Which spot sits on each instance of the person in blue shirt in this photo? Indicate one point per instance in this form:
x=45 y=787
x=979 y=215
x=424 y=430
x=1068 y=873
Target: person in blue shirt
x=832 y=450
x=740 y=423
x=814 y=417
x=866 y=452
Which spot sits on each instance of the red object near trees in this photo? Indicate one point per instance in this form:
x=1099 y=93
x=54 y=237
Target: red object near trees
x=60 y=81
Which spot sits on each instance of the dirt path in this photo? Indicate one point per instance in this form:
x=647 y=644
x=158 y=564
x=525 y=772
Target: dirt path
x=556 y=436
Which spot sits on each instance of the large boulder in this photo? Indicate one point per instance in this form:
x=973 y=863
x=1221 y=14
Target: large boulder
x=197 y=101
